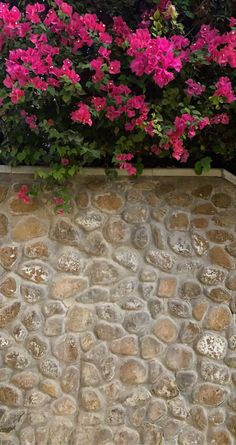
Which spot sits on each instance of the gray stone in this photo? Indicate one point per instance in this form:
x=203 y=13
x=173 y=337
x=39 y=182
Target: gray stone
x=141 y=237
x=211 y=276
x=179 y=357
x=136 y=214
x=190 y=436
x=165 y=387
x=179 y=308
x=17 y=358
x=212 y=345
x=90 y=220
x=160 y=259
x=102 y=272
x=180 y=244
x=127 y=258
x=137 y=322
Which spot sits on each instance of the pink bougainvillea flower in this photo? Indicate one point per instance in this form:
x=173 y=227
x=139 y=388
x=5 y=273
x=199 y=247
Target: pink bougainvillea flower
x=23 y=194
x=82 y=114
x=66 y=9
x=99 y=103
x=232 y=22
x=194 y=88
x=114 y=67
x=65 y=161
x=58 y=200
x=124 y=157
x=224 y=88
x=31 y=121
x=33 y=11
x=16 y=95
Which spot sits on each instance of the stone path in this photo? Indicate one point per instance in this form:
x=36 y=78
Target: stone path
x=118 y=321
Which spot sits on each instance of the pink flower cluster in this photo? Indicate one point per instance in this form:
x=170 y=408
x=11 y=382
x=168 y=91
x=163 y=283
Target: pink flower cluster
x=124 y=165
x=224 y=89
x=23 y=194
x=82 y=114
x=194 y=88
x=30 y=119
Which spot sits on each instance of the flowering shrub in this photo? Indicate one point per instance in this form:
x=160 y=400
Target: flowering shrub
x=74 y=91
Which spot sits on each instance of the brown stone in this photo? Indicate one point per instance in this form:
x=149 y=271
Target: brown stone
x=66 y=348
x=231 y=248
x=37 y=347
x=9 y=313
x=190 y=436
x=3 y=225
x=231 y=423
x=9 y=396
x=158 y=237
x=203 y=191
x=204 y=209
x=90 y=375
x=220 y=437
x=150 y=347
x=65 y=233
x=32 y=320
x=25 y=379
x=106 y=331
x=126 y=436
x=16 y=358
x=32 y=294
x=34 y=271
x=160 y=259
x=179 y=357
x=189 y=332
x=18 y=207
x=82 y=200
x=115 y=415
x=109 y=202
x=3 y=192
x=79 y=318
x=136 y=214
x=179 y=200
x=210 y=394
x=231 y=281
x=116 y=230
x=165 y=387
x=166 y=330
x=102 y=272
x=217 y=417
x=49 y=368
x=35 y=399
x=90 y=399
x=186 y=380
x=220 y=257
x=164 y=189
x=70 y=379
x=28 y=228
x=64 y=288
x=8 y=287
x=200 y=309
x=133 y=372
x=190 y=289
x=199 y=223
x=211 y=276
x=224 y=219
x=219 y=318
x=200 y=244
x=54 y=326
x=179 y=308
x=221 y=200
x=50 y=388
x=199 y=417
x=127 y=345
x=8 y=256
x=167 y=287
x=219 y=295
x=177 y=407
x=87 y=341
x=178 y=221
x=219 y=236
x=64 y=406
x=156 y=410
x=37 y=250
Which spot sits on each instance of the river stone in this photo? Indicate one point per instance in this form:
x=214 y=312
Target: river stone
x=141 y=237
x=160 y=259
x=190 y=436
x=35 y=399
x=32 y=319
x=5 y=340
x=25 y=379
x=152 y=434
x=179 y=200
x=219 y=295
x=200 y=244
x=150 y=347
x=107 y=331
x=167 y=287
x=166 y=330
x=3 y=225
x=179 y=308
x=102 y=272
x=12 y=420
x=179 y=357
x=126 y=436
x=37 y=347
x=54 y=326
x=199 y=223
x=190 y=330
x=63 y=288
x=136 y=214
x=204 y=191
x=133 y=372
x=190 y=289
x=219 y=236
x=10 y=396
x=219 y=318
x=204 y=209
x=108 y=366
x=9 y=313
x=178 y=221
x=70 y=379
x=132 y=304
x=220 y=437
x=177 y=408
x=70 y=262
x=214 y=372
x=32 y=294
x=79 y=318
x=209 y=394
x=108 y=202
x=8 y=287
x=49 y=367
x=221 y=200
x=90 y=221
x=231 y=423
x=29 y=228
x=127 y=258
x=165 y=387
x=180 y=244
x=109 y=312
x=200 y=307
x=19 y=333
x=8 y=256
x=64 y=406
x=231 y=281
x=127 y=345
x=137 y=322
x=95 y=245
x=65 y=233
x=199 y=417
x=116 y=230
x=17 y=358
x=186 y=380
x=211 y=276
x=82 y=200
x=220 y=257
x=90 y=399
x=212 y=345
x=115 y=415
x=37 y=250
x=90 y=375
x=37 y=272
x=231 y=248
x=66 y=349
x=156 y=410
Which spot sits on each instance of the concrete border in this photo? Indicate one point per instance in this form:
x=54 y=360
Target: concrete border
x=151 y=172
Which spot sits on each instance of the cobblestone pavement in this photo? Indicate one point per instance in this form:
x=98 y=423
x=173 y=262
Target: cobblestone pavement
x=117 y=321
